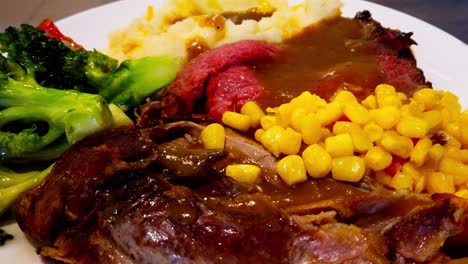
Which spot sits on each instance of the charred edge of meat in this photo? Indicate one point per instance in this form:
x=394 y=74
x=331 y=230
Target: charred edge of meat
x=390 y=41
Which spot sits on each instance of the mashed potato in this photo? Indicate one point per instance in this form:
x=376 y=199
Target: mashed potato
x=180 y=25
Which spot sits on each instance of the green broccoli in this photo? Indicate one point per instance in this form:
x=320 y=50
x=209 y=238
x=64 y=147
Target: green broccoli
x=54 y=63
x=34 y=120
x=12 y=184
x=4 y=236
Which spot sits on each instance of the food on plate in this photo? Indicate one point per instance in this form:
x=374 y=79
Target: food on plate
x=53 y=62
x=324 y=143
x=13 y=184
x=4 y=237
x=340 y=53
x=54 y=93
x=186 y=28
x=156 y=195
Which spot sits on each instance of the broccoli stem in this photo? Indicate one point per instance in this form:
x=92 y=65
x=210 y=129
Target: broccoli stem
x=134 y=80
x=9 y=194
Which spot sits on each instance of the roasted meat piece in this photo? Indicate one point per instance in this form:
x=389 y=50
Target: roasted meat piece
x=118 y=197
x=180 y=97
x=354 y=54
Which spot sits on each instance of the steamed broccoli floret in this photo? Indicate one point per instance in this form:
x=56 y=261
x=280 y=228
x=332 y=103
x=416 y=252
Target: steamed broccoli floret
x=55 y=64
x=41 y=59
x=34 y=120
x=13 y=184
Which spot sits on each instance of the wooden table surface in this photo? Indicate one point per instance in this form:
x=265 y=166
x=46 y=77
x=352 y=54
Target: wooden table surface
x=449 y=15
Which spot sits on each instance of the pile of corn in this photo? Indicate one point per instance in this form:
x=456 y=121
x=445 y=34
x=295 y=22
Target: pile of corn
x=416 y=143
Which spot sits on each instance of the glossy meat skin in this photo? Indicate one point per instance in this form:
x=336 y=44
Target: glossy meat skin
x=109 y=200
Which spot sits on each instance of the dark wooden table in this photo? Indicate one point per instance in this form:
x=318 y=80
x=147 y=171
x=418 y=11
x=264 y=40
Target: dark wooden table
x=448 y=15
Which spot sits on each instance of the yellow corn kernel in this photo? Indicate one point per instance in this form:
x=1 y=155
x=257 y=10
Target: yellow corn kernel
x=409 y=169
x=402 y=96
x=345 y=97
x=462 y=193
x=348 y=168
x=402 y=181
x=383 y=177
x=317 y=161
x=373 y=131
x=290 y=141
x=310 y=102
x=453 y=153
x=361 y=141
x=339 y=145
x=311 y=129
x=463 y=155
x=213 y=136
x=258 y=134
x=386 y=117
x=447 y=117
x=438 y=182
x=246 y=173
x=235 y=120
x=357 y=113
x=377 y=158
x=329 y=113
x=292 y=169
x=370 y=102
x=415 y=108
x=325 y=132
x=421 y=151
x=268 y=121
x=397 y=145
x=284 y=115
x=450 y=102
x=420 y=185
x=463 y=136
x=342 y=127
x=463 y=116
x=436 y=152
x=427 y=96
x=255 y=113
x=392 y=100
x=453 y=129
x=433 y=119
x=412 y=126
x=382 y=91
x=272 y=110
x=297 y=116
x=458 y=170
x=452 y=142
x=271 y=139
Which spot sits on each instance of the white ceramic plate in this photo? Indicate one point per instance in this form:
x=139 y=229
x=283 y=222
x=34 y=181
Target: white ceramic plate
x=443 y=58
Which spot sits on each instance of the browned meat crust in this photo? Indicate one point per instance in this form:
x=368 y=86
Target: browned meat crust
x=395 y=56
x=110 y=200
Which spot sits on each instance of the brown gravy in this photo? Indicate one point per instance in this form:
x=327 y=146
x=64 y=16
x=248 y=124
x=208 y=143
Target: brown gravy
x=320 y=60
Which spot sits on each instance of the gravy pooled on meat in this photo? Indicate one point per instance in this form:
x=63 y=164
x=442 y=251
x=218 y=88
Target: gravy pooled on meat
x=320 y=60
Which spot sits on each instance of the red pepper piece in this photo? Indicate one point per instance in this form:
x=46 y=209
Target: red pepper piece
x=52 y=31
x=395 y=166
x=415 y=141
x=343 y=118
